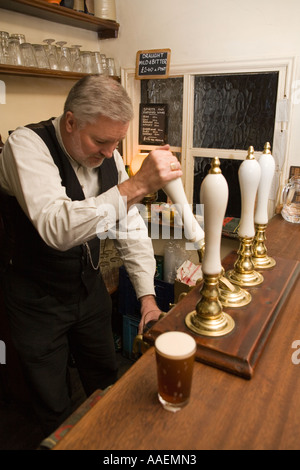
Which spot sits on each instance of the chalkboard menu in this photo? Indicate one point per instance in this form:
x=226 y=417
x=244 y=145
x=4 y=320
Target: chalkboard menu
x=153 y=124
x=154 y=63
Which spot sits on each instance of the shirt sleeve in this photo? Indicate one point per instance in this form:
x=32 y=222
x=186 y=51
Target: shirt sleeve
x=136 y=250
x=28 y=172
x=133 y=243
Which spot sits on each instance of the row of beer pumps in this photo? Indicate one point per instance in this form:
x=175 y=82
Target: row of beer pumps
x=220 y=289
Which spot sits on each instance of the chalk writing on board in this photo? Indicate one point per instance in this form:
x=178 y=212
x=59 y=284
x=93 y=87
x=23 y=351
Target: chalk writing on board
x=153 y=124
x=154 y=63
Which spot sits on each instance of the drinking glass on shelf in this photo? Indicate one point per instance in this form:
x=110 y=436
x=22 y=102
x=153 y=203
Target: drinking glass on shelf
x=51 y=52
x=104 y=64
x=28 y=56
x=59 y=45
x=65 y=61
x=14 y=52
x=63 y=56
x=20 y=37
x=76 y=65
x=97 y=66
x=110 y=66
x=41 y=56
x=4 y=35
x=86 y=62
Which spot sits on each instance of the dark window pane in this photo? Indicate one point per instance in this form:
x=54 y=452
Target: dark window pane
x=234 y=111
x=169 y=91
x=229 y=168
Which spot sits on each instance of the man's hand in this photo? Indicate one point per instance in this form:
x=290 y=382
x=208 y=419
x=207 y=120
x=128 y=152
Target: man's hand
x=158 y=168
x=149 y=311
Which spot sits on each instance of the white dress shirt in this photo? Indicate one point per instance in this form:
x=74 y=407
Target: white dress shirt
x=28 y=172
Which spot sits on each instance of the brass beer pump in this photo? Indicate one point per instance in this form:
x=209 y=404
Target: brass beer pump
x=260 y=258
x=230 y=294
x=208 y=318
x=244 y=273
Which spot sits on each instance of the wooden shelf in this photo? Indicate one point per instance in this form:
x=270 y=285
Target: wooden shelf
x=37 y=72
x=44 y=73
x=106 y=29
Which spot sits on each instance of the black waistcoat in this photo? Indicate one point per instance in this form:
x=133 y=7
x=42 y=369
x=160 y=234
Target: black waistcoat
x=67 y=275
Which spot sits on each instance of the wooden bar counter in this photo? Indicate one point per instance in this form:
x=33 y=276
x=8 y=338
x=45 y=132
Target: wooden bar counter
x=226 y=411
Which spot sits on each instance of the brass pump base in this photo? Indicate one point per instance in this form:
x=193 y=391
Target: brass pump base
x=209 y=319
x=260 y=258
x=207 y=327
x=245 y=279
x=264 y=262
x=232 y=295
x=244 y=273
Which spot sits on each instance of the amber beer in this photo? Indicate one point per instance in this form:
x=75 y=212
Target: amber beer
x=175 y=354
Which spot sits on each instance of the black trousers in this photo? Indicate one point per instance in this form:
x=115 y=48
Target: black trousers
x=46 y=331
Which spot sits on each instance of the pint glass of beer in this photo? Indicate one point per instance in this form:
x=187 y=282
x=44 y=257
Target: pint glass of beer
x=175 y=354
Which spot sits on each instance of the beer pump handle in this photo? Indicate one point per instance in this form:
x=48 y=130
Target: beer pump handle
x=249 y=177
x=192 y=230
x=267 y=166
x=214 y=196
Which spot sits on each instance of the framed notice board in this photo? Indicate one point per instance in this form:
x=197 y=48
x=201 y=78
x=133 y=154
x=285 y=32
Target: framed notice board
x=154 y=63
x=153 y=125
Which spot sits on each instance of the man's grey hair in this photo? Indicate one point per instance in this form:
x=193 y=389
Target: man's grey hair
x=98 y=95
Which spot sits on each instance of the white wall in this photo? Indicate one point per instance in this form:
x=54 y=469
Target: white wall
x=194 y=30
x=33 y=99
x=213 y=31
x=207 y=30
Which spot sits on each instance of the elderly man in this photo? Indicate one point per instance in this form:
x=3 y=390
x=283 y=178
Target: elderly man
x=66 y=187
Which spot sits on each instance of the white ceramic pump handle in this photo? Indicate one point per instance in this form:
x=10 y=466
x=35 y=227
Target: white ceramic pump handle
x=214 y=196
x=267 y=167
x=192 y=230
x=249 y=177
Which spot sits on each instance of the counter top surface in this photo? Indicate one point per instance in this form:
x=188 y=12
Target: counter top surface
x=225 y=411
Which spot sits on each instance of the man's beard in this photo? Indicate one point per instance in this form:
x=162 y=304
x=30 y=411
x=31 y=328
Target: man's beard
x=87 y=161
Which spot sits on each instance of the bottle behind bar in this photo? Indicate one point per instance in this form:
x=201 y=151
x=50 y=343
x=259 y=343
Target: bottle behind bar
x=79 y=5
x=89 y=7
x=67 y=3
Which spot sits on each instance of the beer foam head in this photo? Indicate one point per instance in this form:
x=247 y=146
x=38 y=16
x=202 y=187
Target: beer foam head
x=175 y=344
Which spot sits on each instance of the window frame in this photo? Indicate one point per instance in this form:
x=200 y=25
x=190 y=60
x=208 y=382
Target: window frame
x=286 y=70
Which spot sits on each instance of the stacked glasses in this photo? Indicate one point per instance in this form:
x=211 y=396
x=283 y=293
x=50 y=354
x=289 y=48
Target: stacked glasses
x=14 y=50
